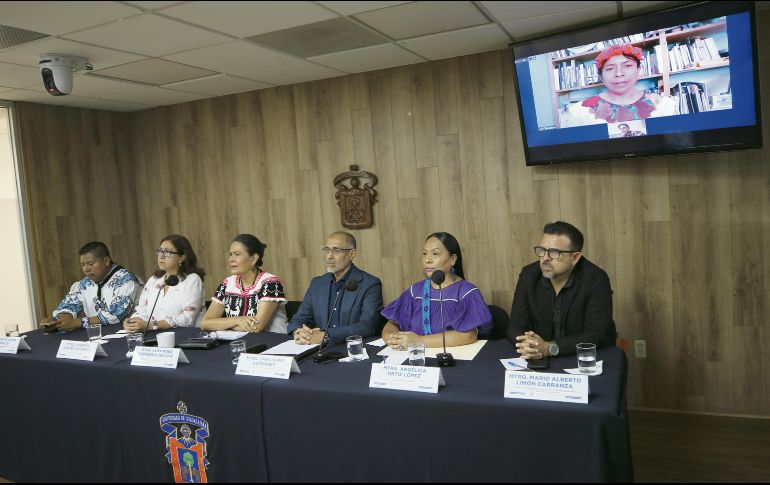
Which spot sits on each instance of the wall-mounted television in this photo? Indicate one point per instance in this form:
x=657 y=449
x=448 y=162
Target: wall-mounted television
x=677 y=81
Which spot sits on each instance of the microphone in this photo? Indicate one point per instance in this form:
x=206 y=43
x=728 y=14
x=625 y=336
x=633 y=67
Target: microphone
x=351 y=285
x=171 y=280
x=444 y=359
x=321 y=356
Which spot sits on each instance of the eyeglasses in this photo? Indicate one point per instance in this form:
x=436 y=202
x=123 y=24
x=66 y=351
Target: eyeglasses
x=552 y=253
x=165 y=252
x=335 y=251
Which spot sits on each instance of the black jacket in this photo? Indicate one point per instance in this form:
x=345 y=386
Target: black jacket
x=586 y=312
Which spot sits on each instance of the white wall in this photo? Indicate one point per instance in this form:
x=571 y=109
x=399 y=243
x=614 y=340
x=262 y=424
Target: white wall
x=15 y=298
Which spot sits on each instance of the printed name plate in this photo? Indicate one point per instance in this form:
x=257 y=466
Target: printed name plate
x=77 y=350
x=12 y=345
x=542 y=386
x=266 y=366
x=163 y=357
x=406 y=377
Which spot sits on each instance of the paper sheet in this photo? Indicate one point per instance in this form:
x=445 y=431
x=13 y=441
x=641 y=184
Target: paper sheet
x=462 y=352
x=289 y=348
x=516 y=363
x=377 y=343
x=227 y=335
x=114 y=336
x=597 y=372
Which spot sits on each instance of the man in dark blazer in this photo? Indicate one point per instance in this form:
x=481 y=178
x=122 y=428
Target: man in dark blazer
x=345 y=301
x=561 y=300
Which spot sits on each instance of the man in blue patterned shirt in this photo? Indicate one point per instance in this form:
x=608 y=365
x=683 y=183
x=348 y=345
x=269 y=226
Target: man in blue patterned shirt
x=107 y=294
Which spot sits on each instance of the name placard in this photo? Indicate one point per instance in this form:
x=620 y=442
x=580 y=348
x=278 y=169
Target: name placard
x=163 y=357
x=12 y=345
x=542 y=386
x=406 y=377
x=77 y=350
x=261 y=365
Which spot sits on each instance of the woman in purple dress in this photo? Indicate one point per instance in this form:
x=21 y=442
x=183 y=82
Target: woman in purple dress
x=416 y=315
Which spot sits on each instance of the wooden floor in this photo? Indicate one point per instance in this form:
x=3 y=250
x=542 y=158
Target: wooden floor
x=674 y=447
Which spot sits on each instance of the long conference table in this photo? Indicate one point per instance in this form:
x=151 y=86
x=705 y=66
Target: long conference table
x=100 y=421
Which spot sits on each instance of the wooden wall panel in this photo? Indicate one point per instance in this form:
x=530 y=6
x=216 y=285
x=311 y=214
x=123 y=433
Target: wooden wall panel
x=685 y=240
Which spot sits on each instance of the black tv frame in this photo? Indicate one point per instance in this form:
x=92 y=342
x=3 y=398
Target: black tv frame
x=722 y=139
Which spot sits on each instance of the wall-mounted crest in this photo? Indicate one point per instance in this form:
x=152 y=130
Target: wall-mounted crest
x=356 y=202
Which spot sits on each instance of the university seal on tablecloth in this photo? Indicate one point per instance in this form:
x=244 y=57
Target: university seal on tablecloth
x=186 y=444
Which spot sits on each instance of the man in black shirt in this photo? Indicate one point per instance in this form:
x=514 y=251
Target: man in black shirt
x=561 y=300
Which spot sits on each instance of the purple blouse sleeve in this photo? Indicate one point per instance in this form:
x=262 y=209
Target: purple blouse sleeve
x=473 y=312
x=400 y=310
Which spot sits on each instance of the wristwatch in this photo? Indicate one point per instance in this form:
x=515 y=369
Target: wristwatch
x=84 y=322
x=553 y=349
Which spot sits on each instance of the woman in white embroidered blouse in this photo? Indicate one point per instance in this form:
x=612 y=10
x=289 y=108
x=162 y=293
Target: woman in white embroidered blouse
x=178 y=306
x=249 y=300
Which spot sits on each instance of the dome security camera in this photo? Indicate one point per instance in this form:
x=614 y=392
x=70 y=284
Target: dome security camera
x=57 y=70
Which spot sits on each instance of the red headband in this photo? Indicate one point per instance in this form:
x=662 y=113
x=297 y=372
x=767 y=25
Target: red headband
x=619 y=50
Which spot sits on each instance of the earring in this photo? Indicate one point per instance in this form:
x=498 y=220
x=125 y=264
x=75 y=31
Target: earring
x=452 y=273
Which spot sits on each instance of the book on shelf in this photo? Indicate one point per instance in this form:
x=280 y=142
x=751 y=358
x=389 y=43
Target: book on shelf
x=690 y=97
x=694 y=52
x=597 y=46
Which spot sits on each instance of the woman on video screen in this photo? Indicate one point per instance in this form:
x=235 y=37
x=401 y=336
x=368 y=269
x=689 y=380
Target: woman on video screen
x=622 y=100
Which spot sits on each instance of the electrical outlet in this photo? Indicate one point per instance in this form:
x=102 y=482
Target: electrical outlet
x=640 y=349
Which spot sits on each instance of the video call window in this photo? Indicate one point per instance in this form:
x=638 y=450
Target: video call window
x=671 y=71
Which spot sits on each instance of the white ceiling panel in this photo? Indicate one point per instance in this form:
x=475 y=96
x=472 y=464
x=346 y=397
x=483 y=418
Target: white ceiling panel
x=198 y=49
x=229 y=57
x=100 y=58
x=634 y=8
x=149 y=35
x=287 y=72
x=244 y=19
x=459 y=43
x=41 y=96
x=154 y=71
x=55 y=18
x=369 y=58
x=218 y=85
x=95 y=87
x=421 y=18
x=149 y=5
x=157 y=97
x=350 y=8
x=110 y=105
x=522 y=29
x=15 y=76
x=512 y=11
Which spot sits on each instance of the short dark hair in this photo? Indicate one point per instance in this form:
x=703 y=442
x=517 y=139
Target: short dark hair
x=451 y=244
x=253 y=246
x=190 y=263
x=349 y=238
x=623 y=124
x=97 y=248
x=562 y=228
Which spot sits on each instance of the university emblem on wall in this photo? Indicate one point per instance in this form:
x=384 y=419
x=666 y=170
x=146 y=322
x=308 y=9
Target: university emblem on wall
x=356 y=202
x=186 y=444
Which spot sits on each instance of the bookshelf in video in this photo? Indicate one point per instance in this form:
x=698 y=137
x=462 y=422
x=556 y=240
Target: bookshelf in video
x=689 y=62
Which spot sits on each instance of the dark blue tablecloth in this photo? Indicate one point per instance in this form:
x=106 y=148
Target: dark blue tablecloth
x=97 y=421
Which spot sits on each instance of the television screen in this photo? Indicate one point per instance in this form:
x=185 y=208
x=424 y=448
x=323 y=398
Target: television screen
x=679 y=81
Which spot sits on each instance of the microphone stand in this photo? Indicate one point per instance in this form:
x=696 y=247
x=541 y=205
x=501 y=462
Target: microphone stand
x=444 y=359
x=320 y=352
x=321 y=356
